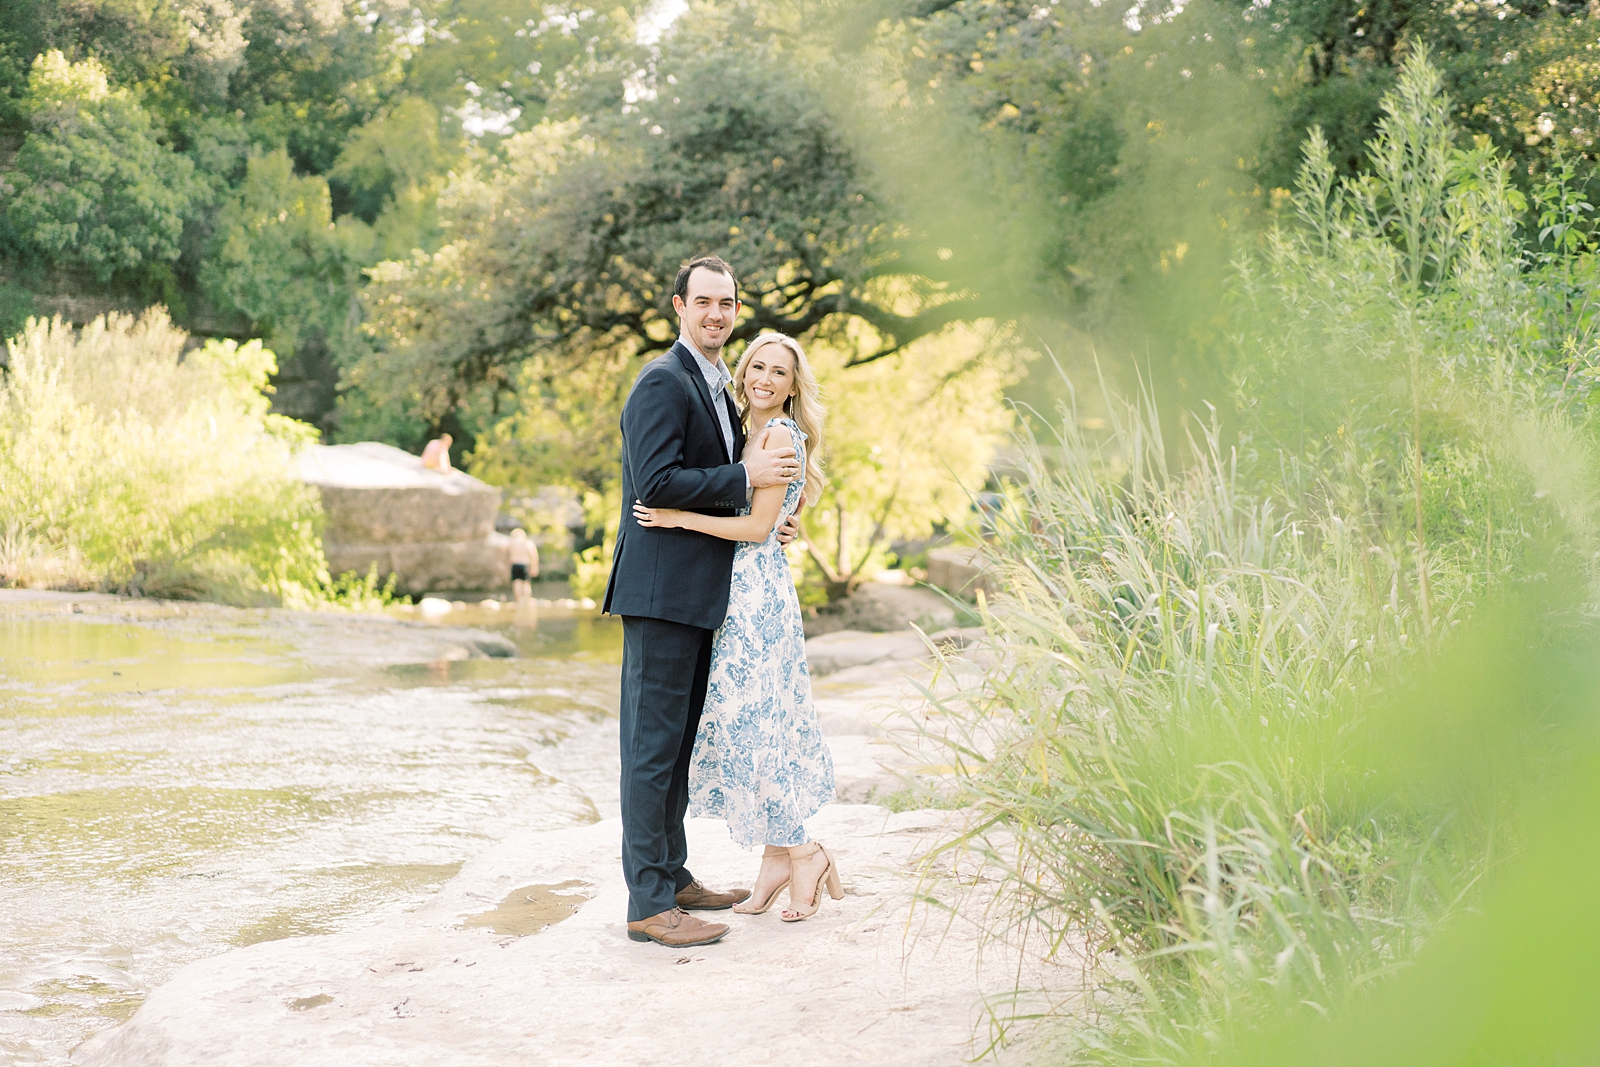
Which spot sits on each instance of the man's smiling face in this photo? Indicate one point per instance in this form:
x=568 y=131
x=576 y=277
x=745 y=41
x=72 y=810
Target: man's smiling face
x=708 y=311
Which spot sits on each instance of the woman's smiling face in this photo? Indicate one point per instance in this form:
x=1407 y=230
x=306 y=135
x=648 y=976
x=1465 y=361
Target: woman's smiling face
x=769 y=377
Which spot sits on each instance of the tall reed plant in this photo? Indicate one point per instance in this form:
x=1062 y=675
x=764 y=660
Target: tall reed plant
x=1154 y=752
x=1203 y=749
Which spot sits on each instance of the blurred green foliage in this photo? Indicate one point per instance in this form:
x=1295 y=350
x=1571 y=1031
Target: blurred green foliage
x=907 y=436
x=520 y=181
x=1091 y=169
x=127 y=469
x=1280 y=702
x=1263 y=728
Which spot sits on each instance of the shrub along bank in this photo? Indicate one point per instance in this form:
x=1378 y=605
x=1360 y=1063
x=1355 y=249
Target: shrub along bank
x=129 y=465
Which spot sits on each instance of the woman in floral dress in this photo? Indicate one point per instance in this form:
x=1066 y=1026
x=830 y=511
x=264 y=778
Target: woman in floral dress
x=760 y=760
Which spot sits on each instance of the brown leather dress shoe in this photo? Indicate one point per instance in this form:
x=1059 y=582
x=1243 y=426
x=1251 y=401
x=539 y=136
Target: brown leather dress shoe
x=676 y=929
x=696 y=897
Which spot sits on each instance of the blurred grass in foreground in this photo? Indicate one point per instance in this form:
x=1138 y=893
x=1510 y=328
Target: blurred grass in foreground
x=1287 y=741
x=1514 y=981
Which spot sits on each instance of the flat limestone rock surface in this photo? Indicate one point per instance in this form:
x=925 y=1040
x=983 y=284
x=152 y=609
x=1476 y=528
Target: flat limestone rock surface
x=877 y=607
x=476 y=977
x=868 y=980
x=376 y=494
x=961 y=571
x=843 y=649
x=854 y=648
x=523 y=958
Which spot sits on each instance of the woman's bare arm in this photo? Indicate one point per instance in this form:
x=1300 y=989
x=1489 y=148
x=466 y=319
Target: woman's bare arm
x=764 y=508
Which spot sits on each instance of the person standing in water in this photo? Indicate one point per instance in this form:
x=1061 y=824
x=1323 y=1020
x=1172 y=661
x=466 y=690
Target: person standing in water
x=524 y=566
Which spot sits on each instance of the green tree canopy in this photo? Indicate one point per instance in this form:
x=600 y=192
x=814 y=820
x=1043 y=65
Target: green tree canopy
x=137 y=189
x=280 y=258
x=91 y=187
x=892 y=164
x=572 y=243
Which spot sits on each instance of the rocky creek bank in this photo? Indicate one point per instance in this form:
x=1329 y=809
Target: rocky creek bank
x=521 y=956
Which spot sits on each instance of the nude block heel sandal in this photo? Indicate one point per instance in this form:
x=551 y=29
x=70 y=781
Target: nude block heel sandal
x=751 y=907
x=829 y=877
x=761 y=909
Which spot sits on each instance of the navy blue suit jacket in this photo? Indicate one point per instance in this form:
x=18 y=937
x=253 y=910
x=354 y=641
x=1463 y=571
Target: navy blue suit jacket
x=673 y=456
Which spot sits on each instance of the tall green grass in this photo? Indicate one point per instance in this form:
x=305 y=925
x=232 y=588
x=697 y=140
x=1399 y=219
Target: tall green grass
x=1254 y=726
x=128 y=464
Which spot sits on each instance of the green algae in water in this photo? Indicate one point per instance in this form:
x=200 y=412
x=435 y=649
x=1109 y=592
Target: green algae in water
x=134 y=833
x=109 y=658
x=360 y=881
x=555 y=705
x=449 y=671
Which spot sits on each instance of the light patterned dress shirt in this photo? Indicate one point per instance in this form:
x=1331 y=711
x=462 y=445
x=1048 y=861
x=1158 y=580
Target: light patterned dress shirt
x=717 y=377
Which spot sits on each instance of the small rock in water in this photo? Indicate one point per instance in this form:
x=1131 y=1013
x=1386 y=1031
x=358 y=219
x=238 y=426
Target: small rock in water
x=492 y=645
x=489 y=605
x=432 y=605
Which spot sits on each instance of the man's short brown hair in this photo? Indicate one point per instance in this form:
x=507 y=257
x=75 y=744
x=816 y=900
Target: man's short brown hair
x=680 y=288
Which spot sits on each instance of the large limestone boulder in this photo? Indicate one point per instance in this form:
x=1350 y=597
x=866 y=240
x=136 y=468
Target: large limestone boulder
x=433 y=531
x=961 y=571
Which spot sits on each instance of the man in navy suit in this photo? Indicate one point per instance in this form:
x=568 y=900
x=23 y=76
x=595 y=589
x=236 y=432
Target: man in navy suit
x=681 y=447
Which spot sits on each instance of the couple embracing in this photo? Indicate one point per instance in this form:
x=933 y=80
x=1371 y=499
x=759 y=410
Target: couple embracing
x=716 y=713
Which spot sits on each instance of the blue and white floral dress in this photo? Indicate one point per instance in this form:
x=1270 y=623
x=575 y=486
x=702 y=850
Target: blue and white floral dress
x=760 y=760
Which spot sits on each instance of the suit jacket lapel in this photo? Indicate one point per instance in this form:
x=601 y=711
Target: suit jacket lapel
x=691 y=363
x=737 y=424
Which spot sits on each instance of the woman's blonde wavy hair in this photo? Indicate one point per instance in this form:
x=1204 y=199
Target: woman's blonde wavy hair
x=804 y=407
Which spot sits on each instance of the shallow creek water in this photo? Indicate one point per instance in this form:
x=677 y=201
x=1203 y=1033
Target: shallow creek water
x=177 y=781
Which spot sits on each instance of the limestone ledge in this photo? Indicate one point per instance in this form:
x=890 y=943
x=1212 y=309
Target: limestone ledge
x=843 y=649
x=871 y=979
x=384 y=509
x=876 y=978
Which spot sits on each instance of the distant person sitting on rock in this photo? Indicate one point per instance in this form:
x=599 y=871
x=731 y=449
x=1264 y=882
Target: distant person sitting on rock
x=436 y=457
x=524 y=566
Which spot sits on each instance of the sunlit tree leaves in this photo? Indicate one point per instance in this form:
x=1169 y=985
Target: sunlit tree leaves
x=92 y=188
x=281 y=259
